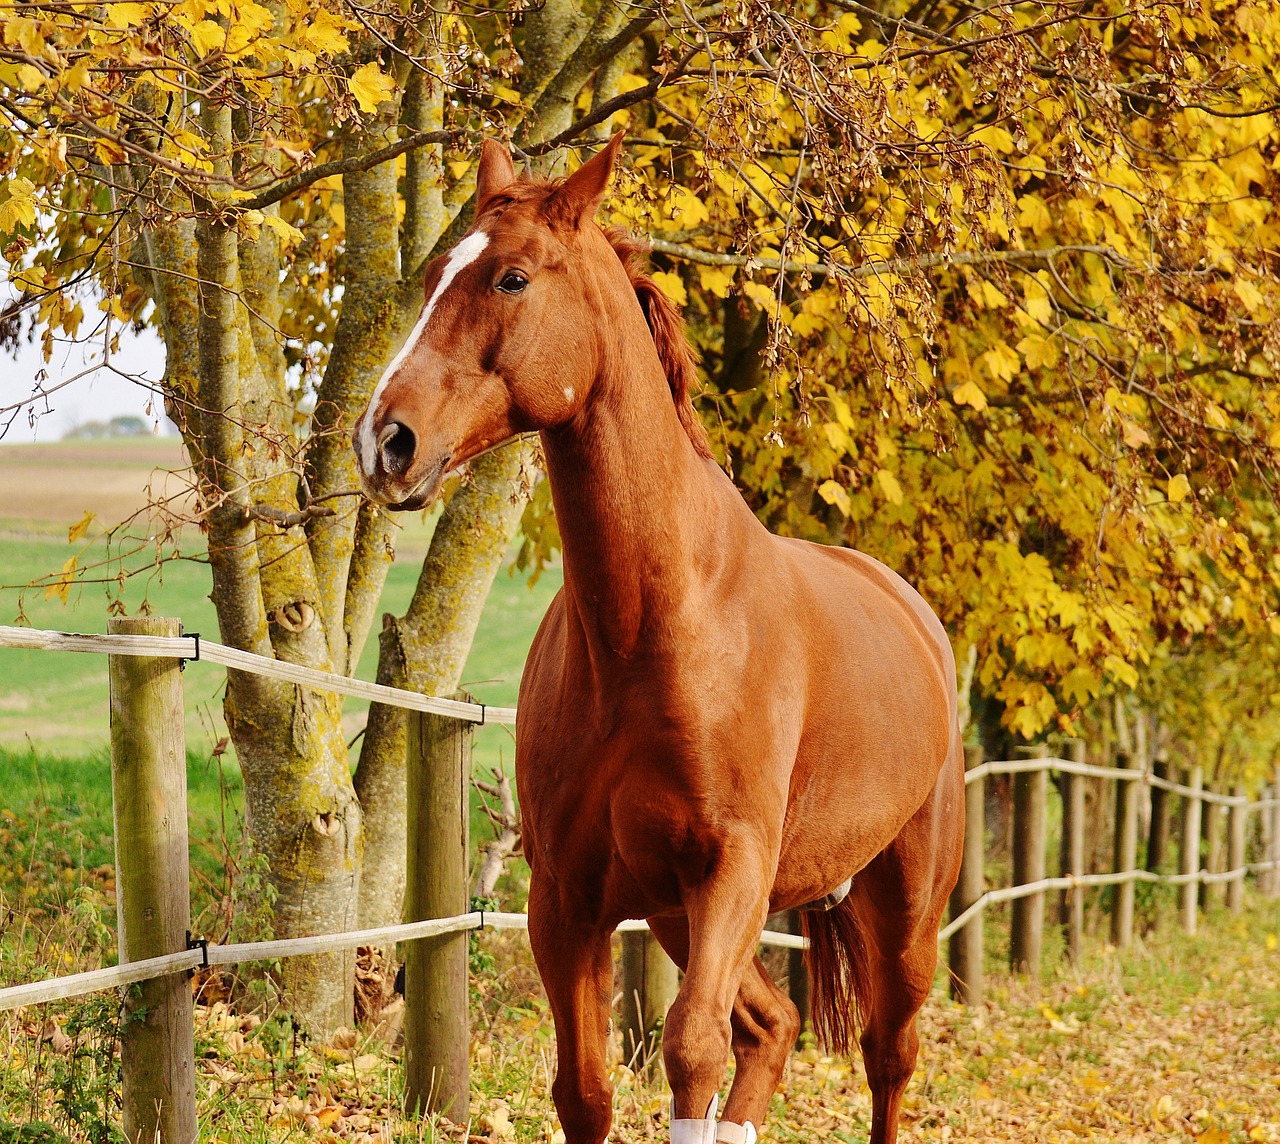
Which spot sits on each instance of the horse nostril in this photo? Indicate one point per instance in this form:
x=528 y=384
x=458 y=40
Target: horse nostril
x=396 y=445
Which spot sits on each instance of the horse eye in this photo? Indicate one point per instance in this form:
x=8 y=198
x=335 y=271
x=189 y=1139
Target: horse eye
x=513 y=282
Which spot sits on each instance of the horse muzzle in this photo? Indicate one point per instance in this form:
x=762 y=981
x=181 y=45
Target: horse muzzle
x=395 y=475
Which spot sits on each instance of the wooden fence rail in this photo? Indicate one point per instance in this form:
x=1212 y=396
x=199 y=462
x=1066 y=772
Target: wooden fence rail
x=148 y=759
x=1217 y=877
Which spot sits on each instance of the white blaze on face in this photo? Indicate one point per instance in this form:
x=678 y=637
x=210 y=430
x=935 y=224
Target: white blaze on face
x=460 y=257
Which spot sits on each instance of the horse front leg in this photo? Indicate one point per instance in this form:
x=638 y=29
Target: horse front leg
x=725 y=917
x=765 y=1026
x=576 y=964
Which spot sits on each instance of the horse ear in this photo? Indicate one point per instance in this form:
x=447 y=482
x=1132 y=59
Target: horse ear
x=582 y=192
x=496 y=172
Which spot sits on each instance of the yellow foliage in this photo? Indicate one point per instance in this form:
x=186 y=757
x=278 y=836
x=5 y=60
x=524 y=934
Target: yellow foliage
x=672 y=285
x=1001 y=362
x=970 y=394
x=325 y=33
x=370 y=87
x=126 y=15
x=836 y=494
x=206 y=36
x=889 y=486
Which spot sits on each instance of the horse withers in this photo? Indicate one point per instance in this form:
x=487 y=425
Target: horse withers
x=715 y=723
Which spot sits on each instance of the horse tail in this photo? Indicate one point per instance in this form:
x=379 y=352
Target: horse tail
x=837 y=964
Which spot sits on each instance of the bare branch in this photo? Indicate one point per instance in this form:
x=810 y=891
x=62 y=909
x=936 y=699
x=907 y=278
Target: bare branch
x=887 y=266
x=507 y=819
x=269 y=514
x=300 y=180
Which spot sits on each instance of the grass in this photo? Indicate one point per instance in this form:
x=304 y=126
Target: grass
x=1172 y=1039
x=56 y=703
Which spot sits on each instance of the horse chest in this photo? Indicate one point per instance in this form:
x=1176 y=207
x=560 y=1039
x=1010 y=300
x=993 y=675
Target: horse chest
x=644 y=804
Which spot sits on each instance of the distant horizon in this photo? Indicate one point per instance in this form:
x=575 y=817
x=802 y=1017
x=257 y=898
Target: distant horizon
x=99 y=396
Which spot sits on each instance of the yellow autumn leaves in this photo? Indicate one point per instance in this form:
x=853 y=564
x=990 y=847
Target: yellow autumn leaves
x=371 y=87
x=237 y=29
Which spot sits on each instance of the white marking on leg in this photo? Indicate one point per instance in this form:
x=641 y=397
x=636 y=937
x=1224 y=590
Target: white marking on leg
x=460 y=257
x=696 y=1131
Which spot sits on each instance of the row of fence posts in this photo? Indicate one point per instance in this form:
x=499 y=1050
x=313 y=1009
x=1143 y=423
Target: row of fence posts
x=148 y=770
x=1201 y=820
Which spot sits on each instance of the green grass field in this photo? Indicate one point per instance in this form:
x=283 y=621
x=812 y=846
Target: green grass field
x=56 y=703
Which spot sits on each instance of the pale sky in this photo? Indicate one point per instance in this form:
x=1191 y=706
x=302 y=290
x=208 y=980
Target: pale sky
x=99 y=396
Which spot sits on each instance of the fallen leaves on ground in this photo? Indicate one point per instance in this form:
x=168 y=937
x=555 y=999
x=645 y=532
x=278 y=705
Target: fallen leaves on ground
x=1175 y=1039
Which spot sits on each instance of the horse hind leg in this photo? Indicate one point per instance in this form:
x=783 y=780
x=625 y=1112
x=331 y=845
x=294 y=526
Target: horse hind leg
x=873 y=957
x=765 y=1024
x=897 y=986
x=869 y=983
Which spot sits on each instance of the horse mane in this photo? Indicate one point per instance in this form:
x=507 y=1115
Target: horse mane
x=666 y=323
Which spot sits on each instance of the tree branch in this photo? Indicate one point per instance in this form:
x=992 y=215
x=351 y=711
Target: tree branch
x=617 y=103
x=886 y=266
x=507 y=821
x=300 y=180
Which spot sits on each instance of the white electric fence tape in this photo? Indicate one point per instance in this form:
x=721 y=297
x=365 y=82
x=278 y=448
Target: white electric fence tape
x=193 y=648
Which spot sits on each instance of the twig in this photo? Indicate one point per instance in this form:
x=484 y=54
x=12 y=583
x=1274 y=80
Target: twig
x=507 y=819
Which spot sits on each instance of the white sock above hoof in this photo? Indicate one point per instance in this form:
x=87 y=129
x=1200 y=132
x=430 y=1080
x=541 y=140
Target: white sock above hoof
x=696 y=1131
x=729 y=1133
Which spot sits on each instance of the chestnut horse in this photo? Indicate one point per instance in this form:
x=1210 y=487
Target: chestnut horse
x=715 y=723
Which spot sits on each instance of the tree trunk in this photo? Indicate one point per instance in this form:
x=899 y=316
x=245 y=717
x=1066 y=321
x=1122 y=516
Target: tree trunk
x=426 y=650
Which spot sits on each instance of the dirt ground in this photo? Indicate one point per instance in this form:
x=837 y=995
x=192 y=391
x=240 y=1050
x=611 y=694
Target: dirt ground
x=57 y=483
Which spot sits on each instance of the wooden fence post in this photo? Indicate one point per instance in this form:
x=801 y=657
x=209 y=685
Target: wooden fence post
x=649 y=983
x=1026 y=937
x=1072 y=907
x=1126 y=851
x=153 y=899
x=799 y=987
x=1190 y=863
x=1273 y=849
x=1237 y=827
x=965 y=949
x=436 y=1037
x=1158 y=837
x=1213 y=893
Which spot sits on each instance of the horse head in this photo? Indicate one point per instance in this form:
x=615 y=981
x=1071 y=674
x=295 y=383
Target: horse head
x=502 y=344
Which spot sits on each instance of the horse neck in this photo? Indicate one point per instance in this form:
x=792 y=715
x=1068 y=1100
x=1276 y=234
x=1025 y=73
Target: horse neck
x=635 y=501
